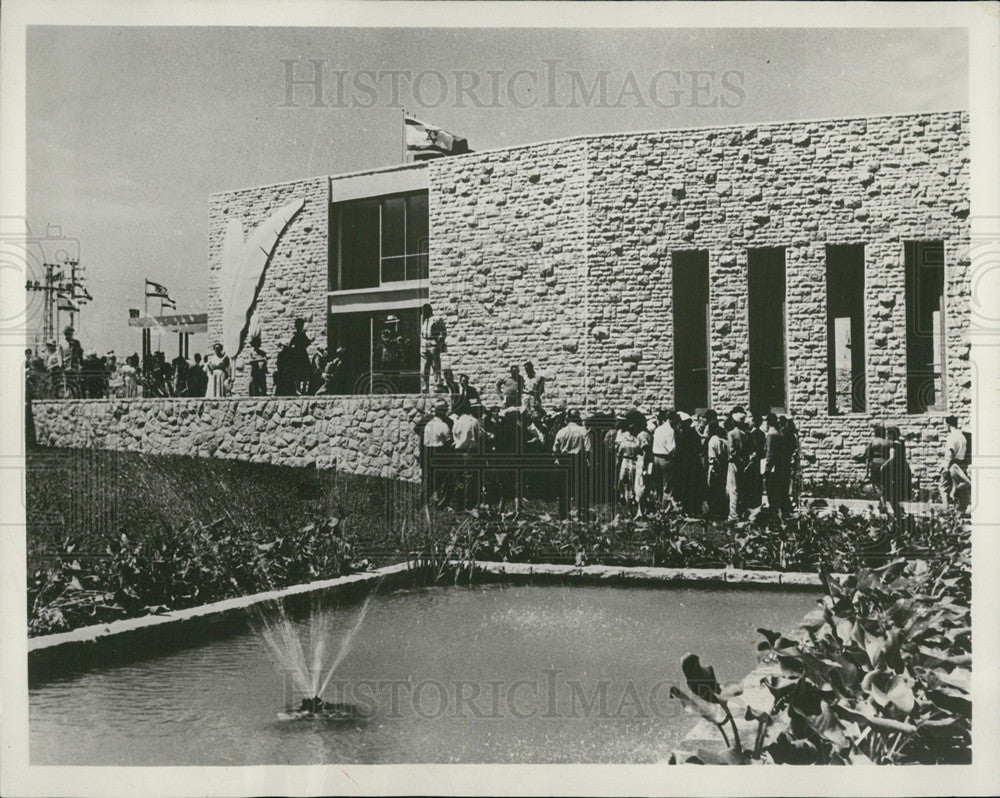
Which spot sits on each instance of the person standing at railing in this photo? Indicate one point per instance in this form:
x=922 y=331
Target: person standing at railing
x=433 y=337
x=130 y=376
x=258 y=368
x=217 y=364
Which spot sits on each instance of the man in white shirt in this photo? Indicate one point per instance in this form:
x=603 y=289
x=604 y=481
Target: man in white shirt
x=467 y=431
x=955 y=483
x=573 y=442
x=437 y=440
x=664 y=444
x=468 y=434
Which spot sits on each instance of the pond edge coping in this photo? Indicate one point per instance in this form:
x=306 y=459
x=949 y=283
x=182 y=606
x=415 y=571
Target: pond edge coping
x=58 y=649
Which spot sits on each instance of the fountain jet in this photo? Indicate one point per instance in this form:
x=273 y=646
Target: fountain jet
x=307 y=659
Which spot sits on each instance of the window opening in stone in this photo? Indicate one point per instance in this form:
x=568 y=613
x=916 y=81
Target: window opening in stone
x=766 y=320
x=845 y=327
x=926 y=384
x=691 y=330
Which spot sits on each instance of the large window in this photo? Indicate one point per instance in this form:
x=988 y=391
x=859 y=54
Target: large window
x=379 y=240
x=766 y=311
x=926 y=386
x=382 y=350
x=845 y=328
x=691 y=330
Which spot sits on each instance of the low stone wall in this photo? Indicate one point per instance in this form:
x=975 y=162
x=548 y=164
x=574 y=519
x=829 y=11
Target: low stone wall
x=373 y=435
x=370 y=435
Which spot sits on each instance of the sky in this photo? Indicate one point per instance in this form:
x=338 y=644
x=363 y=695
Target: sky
x=131 y=129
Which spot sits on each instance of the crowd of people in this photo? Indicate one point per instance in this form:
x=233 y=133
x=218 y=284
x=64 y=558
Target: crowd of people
x=64 y=371
x=720 y=467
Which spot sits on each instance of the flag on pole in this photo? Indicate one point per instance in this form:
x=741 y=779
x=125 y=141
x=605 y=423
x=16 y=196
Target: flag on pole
x=156 y=290
x=430 y=141
x=65 y=303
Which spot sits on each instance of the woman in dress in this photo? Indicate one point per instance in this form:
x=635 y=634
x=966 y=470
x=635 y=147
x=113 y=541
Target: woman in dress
x=718 y=469
x=217 y=364
x=130 y=377
x=628 y=450
x=638 y=426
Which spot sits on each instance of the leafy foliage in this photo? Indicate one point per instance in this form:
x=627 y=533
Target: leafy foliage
x=881 y=676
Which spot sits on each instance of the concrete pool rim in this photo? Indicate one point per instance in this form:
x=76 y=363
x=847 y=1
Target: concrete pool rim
x=50 y=655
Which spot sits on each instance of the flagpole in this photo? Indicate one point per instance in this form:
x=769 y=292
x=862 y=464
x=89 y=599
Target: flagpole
x=403 y=153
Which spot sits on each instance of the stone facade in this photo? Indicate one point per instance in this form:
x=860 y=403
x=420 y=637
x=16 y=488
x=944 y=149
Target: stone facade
x=560 y=253
x=370 y=435
x=295 y=282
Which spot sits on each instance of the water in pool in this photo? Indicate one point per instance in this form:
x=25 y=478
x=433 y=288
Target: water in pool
x=492 y=673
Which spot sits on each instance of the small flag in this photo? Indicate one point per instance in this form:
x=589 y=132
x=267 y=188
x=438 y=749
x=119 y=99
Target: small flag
x=156 y=290
x=133 y=313
x=65 y=303
x=426 y=140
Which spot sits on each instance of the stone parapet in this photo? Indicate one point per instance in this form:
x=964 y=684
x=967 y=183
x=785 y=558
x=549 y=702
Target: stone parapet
x=370 y=435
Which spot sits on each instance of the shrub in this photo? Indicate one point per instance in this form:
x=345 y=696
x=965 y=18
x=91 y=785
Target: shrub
x=882 y=676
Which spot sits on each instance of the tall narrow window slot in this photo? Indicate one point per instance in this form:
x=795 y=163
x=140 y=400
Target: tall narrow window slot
x=845 y=328
x=926 y=386
x=766 y=312
x=691 y=329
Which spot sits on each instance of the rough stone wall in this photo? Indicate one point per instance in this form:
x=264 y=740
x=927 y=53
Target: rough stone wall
x=371 y=435
x=295 y=281
x=511 y=228
x=508 y=261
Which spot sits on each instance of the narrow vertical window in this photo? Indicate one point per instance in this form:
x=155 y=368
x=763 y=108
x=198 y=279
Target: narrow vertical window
x=358 y=245
x=766 y=317
x=845 y=328
x=925 y=326
x=691 y=330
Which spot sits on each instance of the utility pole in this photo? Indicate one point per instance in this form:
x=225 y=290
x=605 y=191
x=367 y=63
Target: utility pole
x=57 y=282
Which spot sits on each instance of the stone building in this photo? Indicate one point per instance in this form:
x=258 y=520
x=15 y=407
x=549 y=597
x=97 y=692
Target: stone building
x=816 y=267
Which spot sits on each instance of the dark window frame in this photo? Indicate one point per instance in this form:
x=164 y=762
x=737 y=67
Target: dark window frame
x=414 y=264
x=919 y=342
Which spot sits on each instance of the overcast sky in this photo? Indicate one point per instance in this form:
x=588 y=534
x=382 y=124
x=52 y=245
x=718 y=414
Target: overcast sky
x=131 y=129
